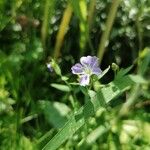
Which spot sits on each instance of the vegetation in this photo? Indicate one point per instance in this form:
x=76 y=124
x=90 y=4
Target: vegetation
x=43 y=105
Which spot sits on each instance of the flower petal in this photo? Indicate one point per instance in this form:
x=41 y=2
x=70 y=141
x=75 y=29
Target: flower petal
x=96 y=70
x=89 y=61
x=77 y=69
x=85 y=61
x=94 y=62
x=84 y=80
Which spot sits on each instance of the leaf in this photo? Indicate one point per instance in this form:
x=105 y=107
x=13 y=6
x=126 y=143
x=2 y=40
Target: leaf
x=64 y=25
x=61 y=87
x=138 y=79
x=104 y=72
x=55 y=113
x=77 y=120
x=64 y=78
x=123 y=72
x=83 y=25
x=76 y=8
x=4 y=21
x=83 y=89
x=80 y=10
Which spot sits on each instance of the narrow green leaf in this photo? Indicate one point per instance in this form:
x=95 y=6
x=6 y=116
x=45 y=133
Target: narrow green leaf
x=61 y=87
x=123 y=72
x=76 y=8
x=62 y=30
x=64 y=78
x=80 y=10
x=104 y=72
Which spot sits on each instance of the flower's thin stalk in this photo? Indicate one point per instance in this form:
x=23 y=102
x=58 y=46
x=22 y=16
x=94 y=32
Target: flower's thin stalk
x=91 y=84
x=109 y=23
x=90 y=87
x=74 y=102
x=115 y=73
x=86 y=94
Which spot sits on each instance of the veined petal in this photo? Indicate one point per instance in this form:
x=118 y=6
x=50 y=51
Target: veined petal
x=84 y=80
x=85 y=61
x=77 y=69
x=94 y=62
x=89 y=61
x=96 y=70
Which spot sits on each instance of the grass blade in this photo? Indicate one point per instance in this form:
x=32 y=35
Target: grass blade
x=62 y=30
x=109 y=23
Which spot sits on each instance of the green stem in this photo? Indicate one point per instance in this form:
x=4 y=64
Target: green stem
x=74 y=102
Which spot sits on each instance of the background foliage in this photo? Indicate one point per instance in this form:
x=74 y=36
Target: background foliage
x=36 y=104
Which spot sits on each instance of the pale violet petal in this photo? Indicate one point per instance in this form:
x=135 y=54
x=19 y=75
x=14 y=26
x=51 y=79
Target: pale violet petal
x=84 y=80
x=96 y=70
x=85 y=61
x=94 y=62
x=89 y=61
x=77 y=69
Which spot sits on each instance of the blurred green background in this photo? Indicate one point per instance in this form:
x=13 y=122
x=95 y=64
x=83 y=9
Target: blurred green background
x=34 y=31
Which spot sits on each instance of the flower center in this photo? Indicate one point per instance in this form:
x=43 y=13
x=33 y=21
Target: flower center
x=88 y=71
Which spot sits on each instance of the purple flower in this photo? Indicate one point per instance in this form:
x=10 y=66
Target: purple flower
x=49 y=66
x=88 y=66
